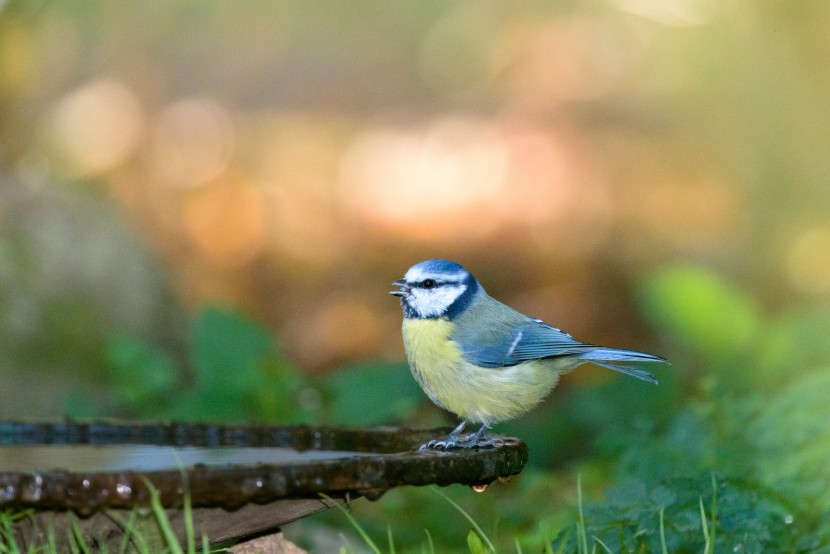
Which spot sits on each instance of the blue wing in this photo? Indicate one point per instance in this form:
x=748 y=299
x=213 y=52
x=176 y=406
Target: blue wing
x=534 y=340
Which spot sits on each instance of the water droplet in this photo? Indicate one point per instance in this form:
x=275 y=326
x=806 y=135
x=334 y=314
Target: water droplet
x=251 y=485
x=144 y=511
x=788 y=519
x=504 y=479
x=123 y=490
x=480 y=488
x=277 y=484
x=7 y=493
x=85 y=484
x=738 y=547
x=33 y=490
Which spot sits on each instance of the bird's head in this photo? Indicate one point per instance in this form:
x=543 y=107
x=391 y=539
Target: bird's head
x=436 y=288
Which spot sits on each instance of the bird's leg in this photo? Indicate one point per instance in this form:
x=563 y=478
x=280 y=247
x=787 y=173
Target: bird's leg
x=478 y=439
x=457 y=431
x=480 y=433
x=450 y=442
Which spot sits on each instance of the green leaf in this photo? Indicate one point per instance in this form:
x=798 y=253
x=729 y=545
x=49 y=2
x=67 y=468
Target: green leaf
x=372 y=394
x=797 y=339
x=662 y=496
x=141 y=375
x=227 y=352
x=792 y=439
x=699 y=309
x=283 y=395
x=475 y=543
x=226 y=348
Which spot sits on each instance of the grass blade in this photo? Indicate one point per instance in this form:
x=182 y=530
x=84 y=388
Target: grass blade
x=429 y=541
x=135 y=537
x=663 y=548
x=714 y=511
x=189 y=531
x=475 y=525
x=366 y=538
x=162 y=520
x=602 y=544
x=7 y=535
x=51 y=545
x=78 y=535
x=391 y=541
x=583 y=537
x=707 y=548
x=128 y=531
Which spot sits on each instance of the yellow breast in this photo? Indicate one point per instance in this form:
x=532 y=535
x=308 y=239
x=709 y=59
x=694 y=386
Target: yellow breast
x=476 y=394
x=433 y=358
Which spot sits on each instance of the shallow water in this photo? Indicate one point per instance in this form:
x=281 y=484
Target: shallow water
x=85 y=458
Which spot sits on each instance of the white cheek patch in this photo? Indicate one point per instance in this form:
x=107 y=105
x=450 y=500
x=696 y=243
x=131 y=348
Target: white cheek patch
x=434 y=302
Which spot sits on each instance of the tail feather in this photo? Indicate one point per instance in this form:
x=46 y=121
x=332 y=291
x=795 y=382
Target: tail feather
x=619 y=360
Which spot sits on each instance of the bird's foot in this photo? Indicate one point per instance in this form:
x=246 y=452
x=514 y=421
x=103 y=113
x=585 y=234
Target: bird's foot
x=471 y=440
x=489 y=442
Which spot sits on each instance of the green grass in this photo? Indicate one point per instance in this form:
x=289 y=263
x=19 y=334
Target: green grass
x=477 y=540
x=699 y=521
x=582 y=538
x=134 y=533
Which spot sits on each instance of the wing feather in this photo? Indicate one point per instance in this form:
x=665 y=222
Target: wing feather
x=533 y=340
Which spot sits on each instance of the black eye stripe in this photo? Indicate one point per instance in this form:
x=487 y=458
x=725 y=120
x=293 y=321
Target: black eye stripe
x=430 y=283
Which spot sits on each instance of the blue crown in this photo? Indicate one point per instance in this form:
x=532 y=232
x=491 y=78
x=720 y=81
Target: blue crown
x=439 y=266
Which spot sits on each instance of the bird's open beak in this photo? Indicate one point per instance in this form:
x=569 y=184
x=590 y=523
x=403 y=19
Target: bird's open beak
x=404 y=288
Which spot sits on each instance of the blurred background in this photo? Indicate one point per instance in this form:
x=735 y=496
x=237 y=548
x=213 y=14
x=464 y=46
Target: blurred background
x=208 y=200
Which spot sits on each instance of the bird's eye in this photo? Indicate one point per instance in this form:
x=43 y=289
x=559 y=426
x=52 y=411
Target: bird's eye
x=428 y=283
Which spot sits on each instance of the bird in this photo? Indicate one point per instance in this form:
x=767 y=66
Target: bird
x=482 y=360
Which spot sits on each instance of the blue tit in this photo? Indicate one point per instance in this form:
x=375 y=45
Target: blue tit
x=482 y=360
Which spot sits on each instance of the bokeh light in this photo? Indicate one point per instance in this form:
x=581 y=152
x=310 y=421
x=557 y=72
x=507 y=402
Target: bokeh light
x=225 y=221
x=430 y=183
x=277 y=159
x=96 y=127
x=808 y=261
x=192 y=143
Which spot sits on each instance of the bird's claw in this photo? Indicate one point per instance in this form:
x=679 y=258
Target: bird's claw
x=437 y=444
x=466 y=441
